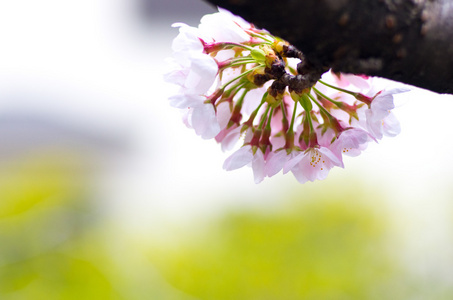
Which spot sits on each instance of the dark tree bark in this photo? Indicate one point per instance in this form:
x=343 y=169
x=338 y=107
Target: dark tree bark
x=410 y=41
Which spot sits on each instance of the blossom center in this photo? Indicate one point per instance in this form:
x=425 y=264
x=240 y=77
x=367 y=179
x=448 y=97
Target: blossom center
x=316 y=158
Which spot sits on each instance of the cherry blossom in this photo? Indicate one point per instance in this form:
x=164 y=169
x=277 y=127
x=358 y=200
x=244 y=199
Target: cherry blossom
x=258 y=96
x=351 y=142
x=192 y=69
x=379 y=117
x=228 y=137
x=224 y=27
x=247 y=155
x=204 y=121
x=312 y=164
x=277 y=160
x=360 y=81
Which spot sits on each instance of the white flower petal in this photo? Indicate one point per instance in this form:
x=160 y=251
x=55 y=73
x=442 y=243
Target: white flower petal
x=330 y=157
x=294 y=159
x=391 y=126
x=275 y=162
x=258 y=166
x=187 y=41
x=299 y=174
x=222 y=28
x=185 y=101
x=231 y=139
x=203 y=72
x=382 y=102
x=204 y=121
x=238 y=159
x=361 y=82
x=223 y=114
x=374 y=125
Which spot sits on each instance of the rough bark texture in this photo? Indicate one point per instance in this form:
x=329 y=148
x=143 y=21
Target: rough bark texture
x=410 y=41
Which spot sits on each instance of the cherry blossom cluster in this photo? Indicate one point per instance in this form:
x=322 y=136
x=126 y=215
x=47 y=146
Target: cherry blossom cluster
x=245 y=88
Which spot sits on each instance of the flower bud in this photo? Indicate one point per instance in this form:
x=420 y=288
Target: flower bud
x=306 y=103
x=258 y=54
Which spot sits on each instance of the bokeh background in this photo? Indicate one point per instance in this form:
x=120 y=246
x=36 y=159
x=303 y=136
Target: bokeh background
x=105 y=194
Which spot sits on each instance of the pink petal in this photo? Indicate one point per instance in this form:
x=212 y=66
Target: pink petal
x=204 y=121
x=187 y=39
x=391 y=126
x=374 y=125
x=223 y=114
x=275 y=162
x=203 y=72
x=331 y=157
x=222 y=28
x=186 y=101
x=231 y=139
x=299 y=174
x=293 y=160
x=238 y=159
x=258 y=166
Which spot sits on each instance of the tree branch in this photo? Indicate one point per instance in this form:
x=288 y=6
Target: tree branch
x=410 y=41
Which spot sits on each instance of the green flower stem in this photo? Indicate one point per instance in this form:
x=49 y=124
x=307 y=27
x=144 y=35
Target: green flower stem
x=236 y=114
x=268 y=125
x=241 y=99
x=237 y=62
x=239 y=77
x=339 y=89
x=233 y=90
x=227 y=45
x=264 y=118
x=292 y=70
x=282 y=107
x=289 y=136
x=242 y=63
x=249 y=122
x=337 y=103
x=259 y=129
x=306 y=99
x=265 y=137
x=257 y=35
x=263 y=100
x=333 y=122
x=248 y=57
x=341 y=105
x=322 y=109
x=310 y=122
x=293 y=118
x=285 y=123
x=319 y=105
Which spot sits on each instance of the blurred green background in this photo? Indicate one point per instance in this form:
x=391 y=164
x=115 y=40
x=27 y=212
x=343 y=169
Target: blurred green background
x=323 y=241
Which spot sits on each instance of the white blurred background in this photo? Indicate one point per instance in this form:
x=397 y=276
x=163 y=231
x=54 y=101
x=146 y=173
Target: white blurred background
x=85 y=77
